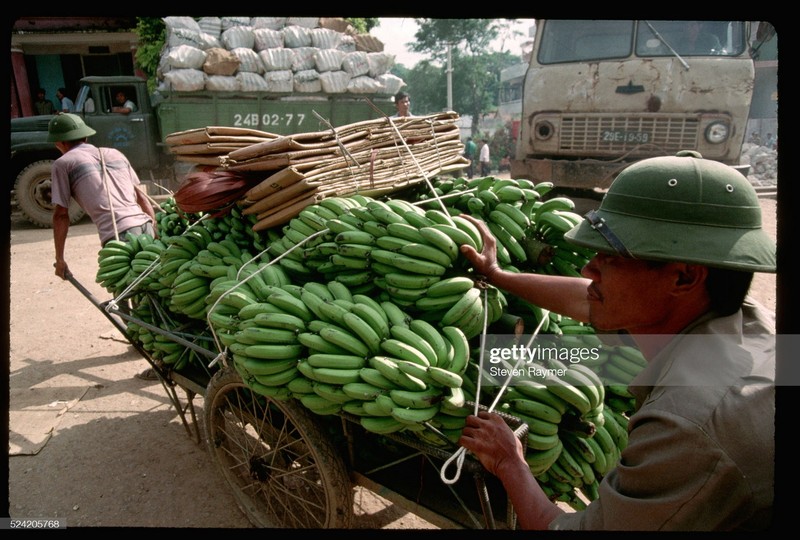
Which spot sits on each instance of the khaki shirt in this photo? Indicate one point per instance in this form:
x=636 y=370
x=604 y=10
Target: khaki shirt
x=701 y=443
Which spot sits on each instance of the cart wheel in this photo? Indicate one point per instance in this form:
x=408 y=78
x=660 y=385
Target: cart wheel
x=284 y=471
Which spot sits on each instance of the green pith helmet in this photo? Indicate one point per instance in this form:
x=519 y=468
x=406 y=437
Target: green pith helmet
x=67 y=127
x=680 y=208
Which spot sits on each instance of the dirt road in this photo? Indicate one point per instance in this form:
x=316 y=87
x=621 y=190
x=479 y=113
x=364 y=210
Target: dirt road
x=93 y=445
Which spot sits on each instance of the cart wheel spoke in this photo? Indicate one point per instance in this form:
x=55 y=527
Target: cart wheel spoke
x=283 y=470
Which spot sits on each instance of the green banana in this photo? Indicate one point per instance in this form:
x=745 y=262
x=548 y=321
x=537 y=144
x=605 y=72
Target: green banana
x=405 y=231
x=411 y=338
x=540 y=461
x=461 y=308
x=381 y=425
x=364 y=330
x=469 y=228
x=396 y=348
x=331 y=392
x=435 y=339
x=416 y=399
x=337 y=361
x=354 y=278
x=508 y=241
x=319 y=405
x=457 y=235
x=338 y=205
x=507 y=223
x=541 y=392
x=536 y=409
x=274 y=352
x=362 y=390
x=340 y=226
x=543 y=442
x=444 y=377
x=414 y=416
x=339 y=376
x=390 y=370
x=568 y=393
x=355 y=237
x=375 y=228
x=554 y=203
x=374 y=377
x=416 y=218
x=261 y=335
x=455 y=285
x=395 y=315
x=441 y=241
x=345 y=339
x=384 y=213
x=461 y=350
x=292 y=305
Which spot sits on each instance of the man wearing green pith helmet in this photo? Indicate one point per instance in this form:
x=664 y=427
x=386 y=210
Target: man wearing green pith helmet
x=103 y=183
x=678 y=239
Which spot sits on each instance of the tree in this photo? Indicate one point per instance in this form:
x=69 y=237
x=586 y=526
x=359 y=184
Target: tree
x=476 y=70
x=363 y=25
x=152 y=33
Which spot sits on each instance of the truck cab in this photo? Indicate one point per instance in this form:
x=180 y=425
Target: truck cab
x=600 y=95
x=135 y=134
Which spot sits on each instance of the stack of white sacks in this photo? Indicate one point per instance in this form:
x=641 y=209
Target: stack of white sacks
x=273 y=54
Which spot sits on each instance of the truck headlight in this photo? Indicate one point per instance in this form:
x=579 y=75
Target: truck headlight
x=717 y=132
x=544 y=130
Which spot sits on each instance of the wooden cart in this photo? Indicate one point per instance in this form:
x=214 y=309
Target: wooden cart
x=290 y=468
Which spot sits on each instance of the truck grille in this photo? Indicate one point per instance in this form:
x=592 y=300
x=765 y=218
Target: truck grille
x=611 y=135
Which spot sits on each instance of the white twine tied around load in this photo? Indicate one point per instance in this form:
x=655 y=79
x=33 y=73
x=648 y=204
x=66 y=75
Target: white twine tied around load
x=459 y=454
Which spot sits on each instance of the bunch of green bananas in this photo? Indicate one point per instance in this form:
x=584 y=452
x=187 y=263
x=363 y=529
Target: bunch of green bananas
x=114 y=265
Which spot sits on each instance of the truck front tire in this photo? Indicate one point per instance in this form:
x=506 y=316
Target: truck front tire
x=32 y=192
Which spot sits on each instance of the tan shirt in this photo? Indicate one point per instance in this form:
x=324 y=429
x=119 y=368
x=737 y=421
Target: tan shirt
x=701 y=445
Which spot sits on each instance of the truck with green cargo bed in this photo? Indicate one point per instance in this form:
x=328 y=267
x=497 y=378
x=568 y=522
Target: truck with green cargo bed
x=140 y=135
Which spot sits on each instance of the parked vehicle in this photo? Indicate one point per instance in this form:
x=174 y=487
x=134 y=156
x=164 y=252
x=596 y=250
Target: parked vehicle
x=140 y=135
x=601 y=94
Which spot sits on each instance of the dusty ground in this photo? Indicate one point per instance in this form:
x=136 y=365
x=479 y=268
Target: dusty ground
x=93 y=445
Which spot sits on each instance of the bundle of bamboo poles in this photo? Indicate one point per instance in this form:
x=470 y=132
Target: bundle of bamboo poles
x=373 y=158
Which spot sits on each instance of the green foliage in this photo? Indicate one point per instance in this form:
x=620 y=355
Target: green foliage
x=152 y=34
x=476 y=71
x=362 y=24
x=471 y=35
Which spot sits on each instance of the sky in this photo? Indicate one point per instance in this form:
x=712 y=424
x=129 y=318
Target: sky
x=396 y=32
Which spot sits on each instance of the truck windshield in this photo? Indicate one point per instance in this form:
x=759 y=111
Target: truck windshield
x=565 y=41
x=84 y=102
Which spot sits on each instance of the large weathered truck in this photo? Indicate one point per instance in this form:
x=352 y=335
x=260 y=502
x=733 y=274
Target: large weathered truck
x=601 y=94
x=140 y=135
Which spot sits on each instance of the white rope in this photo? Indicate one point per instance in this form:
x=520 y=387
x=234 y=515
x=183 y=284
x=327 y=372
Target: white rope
x=104 y=175
x=459 y=454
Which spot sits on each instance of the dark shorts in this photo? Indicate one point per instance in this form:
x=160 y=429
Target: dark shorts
x=145 y=228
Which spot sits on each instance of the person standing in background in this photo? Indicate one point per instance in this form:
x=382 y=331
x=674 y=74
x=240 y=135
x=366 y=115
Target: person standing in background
x=485 y=159
x=42 y=104
x=67 y=105
x=470 y=152
x=402 y=103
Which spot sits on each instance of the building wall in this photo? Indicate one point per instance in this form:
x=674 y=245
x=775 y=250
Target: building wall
x=50 y=52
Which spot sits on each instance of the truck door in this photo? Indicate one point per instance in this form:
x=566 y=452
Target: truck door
x=133 y=134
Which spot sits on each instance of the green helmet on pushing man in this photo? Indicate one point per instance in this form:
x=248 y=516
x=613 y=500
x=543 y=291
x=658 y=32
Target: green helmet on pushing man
x=680 y=208
x=67 y=127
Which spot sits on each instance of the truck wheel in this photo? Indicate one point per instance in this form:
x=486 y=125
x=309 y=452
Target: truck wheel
x=32 y=191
